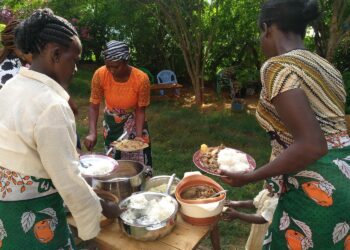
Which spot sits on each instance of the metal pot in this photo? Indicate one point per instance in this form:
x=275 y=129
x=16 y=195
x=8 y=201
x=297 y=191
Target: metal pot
x=127 y=177
x=160 y=180
x=149 y=232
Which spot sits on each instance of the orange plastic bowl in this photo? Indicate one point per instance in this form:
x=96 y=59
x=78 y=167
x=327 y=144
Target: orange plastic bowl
x=202 y=211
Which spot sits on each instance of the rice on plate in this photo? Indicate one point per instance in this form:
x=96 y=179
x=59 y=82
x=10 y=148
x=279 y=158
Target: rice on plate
x=232 y=160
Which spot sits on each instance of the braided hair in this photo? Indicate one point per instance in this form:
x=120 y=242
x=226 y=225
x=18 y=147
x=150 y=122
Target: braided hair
x=289 y=15
x=43 y=27
x=8 y=39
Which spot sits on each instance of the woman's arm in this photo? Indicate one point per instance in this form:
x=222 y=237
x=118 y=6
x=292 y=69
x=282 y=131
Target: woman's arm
x=242 y=204
x=140 y=114
x=91 y=138
x=231 y=214
x=55 y=137
x=309 y=143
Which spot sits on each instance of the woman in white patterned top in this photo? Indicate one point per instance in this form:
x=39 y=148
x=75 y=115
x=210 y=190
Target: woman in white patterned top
x=39 y=165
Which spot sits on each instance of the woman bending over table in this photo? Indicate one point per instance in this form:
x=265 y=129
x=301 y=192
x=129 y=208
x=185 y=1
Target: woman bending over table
x=126 y=91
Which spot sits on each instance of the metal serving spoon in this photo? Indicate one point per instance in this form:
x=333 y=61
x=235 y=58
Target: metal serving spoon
x=170 y=182
x=218 y=193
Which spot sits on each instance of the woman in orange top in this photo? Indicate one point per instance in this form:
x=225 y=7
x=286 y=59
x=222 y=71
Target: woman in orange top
x=126 y=91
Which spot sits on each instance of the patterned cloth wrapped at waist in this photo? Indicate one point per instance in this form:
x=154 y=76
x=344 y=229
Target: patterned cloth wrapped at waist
x=16 y=187
x=339 y=140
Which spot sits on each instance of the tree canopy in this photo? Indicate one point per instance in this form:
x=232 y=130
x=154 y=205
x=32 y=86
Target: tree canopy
x=194 y=38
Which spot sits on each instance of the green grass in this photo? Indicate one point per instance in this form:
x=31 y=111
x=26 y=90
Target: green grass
x=177 y=131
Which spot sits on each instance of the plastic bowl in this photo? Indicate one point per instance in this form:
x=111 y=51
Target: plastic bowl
x=200 y=212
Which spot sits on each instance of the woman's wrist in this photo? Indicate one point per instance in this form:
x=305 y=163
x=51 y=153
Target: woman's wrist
x=93 y=132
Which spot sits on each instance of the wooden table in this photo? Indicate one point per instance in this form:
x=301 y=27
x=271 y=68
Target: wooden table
x=183 y=237
x=164 y=86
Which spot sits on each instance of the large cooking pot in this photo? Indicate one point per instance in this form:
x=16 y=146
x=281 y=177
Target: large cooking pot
x=127 y=177
x=148 y=232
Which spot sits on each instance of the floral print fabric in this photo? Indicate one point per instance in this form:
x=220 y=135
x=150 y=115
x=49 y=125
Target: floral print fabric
x=15 y=186
x=32 y=215
x=313 y=210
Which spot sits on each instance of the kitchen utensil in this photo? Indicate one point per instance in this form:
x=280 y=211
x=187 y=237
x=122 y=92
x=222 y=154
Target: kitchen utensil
x=170 y=182
x=148 y=232
x=126 y=178
x=218 y=193
x=109 y=151
x=122 y=136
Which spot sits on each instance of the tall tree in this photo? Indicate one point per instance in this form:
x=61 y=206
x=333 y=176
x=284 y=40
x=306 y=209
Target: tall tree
x=333 y=27
x=193 y=25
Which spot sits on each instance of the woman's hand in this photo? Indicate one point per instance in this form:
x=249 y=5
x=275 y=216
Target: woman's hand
x=144 y=139
x=230 y=214
x=90 y=141
x=110 y=209
x=234 y=179
x=231 y=204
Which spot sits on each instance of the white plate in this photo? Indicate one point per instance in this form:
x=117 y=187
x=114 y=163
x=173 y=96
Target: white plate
x=95 y=163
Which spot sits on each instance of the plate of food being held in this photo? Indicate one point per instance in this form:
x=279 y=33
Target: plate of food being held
x=213 y=159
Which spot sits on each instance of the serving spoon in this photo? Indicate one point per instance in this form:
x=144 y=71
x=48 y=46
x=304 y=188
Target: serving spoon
x=218 y=193
x=170 y=182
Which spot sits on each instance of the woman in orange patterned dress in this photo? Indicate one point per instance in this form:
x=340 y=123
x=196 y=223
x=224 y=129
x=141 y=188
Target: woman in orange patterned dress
x=301 y=106
x=126 y=91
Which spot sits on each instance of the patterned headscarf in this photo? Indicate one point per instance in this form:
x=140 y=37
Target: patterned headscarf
x=116 y=51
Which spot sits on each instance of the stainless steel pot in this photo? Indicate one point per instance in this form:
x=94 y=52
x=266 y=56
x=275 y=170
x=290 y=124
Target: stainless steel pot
x=149 y=232
x=160 y=181
x=127 y=177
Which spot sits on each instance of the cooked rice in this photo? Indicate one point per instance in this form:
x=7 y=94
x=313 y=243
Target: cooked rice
x=232 y=160
x=148 y=213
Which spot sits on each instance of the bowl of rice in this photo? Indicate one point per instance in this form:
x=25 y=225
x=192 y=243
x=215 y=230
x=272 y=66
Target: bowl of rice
x=95 y=165
x=148 y=216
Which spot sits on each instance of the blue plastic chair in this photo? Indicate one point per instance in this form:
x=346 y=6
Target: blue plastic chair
x=167 y=76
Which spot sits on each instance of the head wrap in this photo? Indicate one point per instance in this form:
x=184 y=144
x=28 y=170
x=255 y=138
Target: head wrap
x=116 y=51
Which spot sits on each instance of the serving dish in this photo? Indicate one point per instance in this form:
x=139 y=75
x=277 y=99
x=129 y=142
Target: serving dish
x=199 y=212
x=127 y=145
x=212 y=170
x=159 y=184
x=148 y=232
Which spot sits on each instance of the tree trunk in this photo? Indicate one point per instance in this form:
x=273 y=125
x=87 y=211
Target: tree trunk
x=198 y=91
x=331 y=48
x=334 y=35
